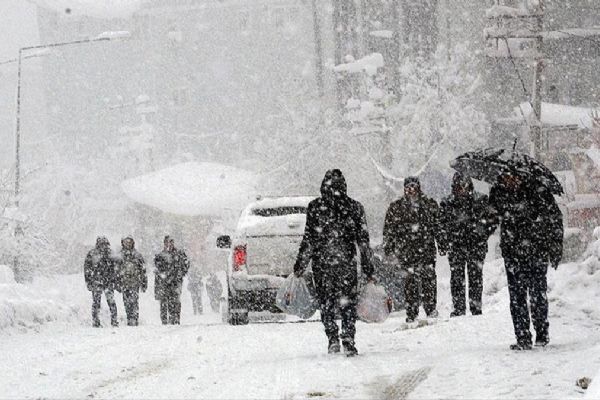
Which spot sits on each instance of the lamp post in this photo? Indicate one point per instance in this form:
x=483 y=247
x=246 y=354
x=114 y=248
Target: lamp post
x=103 y=37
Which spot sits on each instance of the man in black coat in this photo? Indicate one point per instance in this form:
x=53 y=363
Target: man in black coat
x=531 y=237
x=171 y=266
x=100 y=277
x=335 y=226
x=465 y=225
x=409 y=235
x=131 y=272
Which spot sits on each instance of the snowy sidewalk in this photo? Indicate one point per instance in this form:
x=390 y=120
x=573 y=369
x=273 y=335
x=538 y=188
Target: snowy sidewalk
x=462 y=358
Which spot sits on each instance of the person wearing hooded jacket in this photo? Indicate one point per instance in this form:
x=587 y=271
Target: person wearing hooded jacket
x=100 y=277
x=131 y=273
x=531 y=238
x=465 y=226
x=410 y=232
x=335 y=226
x=172 y=265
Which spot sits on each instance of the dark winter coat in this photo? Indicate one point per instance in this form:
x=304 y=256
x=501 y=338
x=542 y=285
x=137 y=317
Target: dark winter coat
x=531 y=222
x=466 y=221
x=171 y=267
x=335 y=226
x=411 y=230
x=131 y=271
x=99 y=269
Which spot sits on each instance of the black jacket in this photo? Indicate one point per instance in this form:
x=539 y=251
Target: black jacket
x=99 y=269
x=411 y=230
x=131 y=270
x=335 y=226
x=466 y=221
x=171 y=267
x=531 y=222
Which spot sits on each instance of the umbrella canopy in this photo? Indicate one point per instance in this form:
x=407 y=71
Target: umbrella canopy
x=486 y=165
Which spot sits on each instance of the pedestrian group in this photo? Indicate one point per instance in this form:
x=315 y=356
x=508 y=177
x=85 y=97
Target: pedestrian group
x=416 y=228
x=531 y=233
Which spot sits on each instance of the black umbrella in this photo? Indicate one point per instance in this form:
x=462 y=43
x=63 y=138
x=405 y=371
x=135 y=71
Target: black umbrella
x=486 y=165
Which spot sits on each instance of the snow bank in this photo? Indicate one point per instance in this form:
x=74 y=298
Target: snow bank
x=29 y=306
x=194 y=189
x=93 y=8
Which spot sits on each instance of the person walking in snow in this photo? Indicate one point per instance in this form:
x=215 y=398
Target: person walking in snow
x=171 y=265
x=465 y=226
x=131 y=274
x=335 y=226
x=531 y=235
x=195 y=287
x=214 y=289
x=410 y=231
x=100 y=277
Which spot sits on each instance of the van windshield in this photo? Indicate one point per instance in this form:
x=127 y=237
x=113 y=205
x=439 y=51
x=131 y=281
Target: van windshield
x=278 y=211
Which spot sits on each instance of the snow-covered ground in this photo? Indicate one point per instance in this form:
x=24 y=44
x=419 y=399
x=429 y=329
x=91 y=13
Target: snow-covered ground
x=466 y=357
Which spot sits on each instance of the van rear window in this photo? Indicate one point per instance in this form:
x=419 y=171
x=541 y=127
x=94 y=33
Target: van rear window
x=278 y=211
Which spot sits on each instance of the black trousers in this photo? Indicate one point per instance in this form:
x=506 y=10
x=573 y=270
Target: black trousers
x=473 y=260
x=132 y=309
x=338 y=291
x=112 y=306
x=170 y=305
x=527 y=276
x=420 y=285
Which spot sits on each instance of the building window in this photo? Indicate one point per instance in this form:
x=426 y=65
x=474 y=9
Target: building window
x=244 y=20
x=180 y=97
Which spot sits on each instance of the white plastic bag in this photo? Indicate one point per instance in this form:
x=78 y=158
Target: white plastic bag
x=374 y=304
x=295 y=297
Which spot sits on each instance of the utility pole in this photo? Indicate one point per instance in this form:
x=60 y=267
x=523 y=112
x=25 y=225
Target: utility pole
x=536 y=128
x=515 y=23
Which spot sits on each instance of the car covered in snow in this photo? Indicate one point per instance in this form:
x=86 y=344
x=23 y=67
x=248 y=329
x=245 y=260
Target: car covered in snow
x=262 y=252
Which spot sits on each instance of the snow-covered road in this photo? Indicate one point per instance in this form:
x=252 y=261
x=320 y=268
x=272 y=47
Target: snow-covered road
x=461 y=358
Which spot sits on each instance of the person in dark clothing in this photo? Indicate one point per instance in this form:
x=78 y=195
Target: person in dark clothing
x=465 y=226
x=131 y=272
x=214 y=289
x=100 y=277
x=195 y=287
x=335 y=226
x=531 y=234
x=409 y=235
x=171 y=266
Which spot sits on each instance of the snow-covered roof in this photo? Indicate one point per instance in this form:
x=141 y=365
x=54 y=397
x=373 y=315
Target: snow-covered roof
x=506 y=11
x=560 y=115
x=93 y=8
x=194 y=189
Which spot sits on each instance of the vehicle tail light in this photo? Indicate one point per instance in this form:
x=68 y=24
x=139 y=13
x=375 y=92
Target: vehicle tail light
x=239 y=258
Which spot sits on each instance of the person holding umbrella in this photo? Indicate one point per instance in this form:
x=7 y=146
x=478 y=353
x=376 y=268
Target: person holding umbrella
x=531 y=233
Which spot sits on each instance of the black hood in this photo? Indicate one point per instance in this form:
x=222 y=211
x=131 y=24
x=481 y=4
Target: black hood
x=130 y=238
x=461 y=181
x=102 y=243
x=334 y=185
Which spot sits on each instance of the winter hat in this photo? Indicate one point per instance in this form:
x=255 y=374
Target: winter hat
x=102 y=241
x=129 y=237
x=412 y=181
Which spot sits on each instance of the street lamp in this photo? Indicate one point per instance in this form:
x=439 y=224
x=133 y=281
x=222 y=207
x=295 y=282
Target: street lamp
x=42 y=49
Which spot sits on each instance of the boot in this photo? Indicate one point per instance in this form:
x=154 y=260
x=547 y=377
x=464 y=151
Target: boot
x=519 y=346
x=457 y=313
x=349 y=348
x=334 y=345
x=541 y=340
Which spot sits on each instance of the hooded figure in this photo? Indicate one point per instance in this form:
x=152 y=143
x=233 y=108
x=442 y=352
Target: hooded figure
x=131 y=272
x=335 y=226
x=100 y=277
x=171 y=265
x=466 y=224
x=531 y=235
x=410 y=232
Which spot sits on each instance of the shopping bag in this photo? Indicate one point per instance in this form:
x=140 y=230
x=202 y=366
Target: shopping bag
x=296 y=298
x=374 y=304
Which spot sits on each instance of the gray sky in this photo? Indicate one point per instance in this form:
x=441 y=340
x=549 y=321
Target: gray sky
x=18 y=26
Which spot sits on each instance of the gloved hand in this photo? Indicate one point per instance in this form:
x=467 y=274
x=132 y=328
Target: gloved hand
x=298 y=273
x=371 y=279
x=554 y=264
